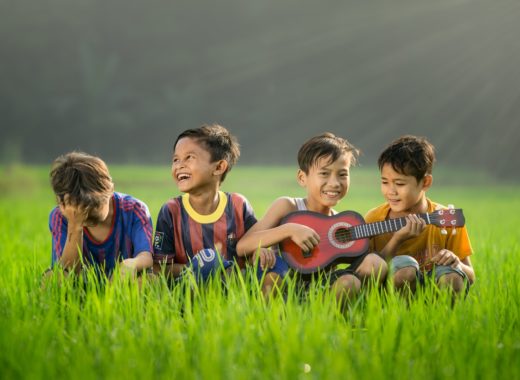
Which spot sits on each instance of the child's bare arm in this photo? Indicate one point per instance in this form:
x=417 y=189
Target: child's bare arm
x=172 y=270
x=142 y=261
x=76 y=218
x=268 y=232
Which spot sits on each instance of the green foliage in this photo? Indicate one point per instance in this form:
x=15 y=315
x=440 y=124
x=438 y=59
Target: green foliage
x=69 y=330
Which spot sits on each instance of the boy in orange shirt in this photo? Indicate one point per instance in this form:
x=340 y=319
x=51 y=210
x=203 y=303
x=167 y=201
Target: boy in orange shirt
x=417 y=249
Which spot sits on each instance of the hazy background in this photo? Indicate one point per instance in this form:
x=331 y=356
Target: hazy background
x=121 y=78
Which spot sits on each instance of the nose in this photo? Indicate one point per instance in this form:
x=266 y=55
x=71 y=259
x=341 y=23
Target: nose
x=177 y=164
x=334 y=181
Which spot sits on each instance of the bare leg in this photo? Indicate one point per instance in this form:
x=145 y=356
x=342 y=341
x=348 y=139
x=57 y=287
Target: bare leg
x=271 y=285
x=454 y=283
x=405 y=280
x=346 y=288
x=372 y=266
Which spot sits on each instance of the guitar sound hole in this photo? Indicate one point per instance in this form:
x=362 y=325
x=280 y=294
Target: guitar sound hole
x=342 y=235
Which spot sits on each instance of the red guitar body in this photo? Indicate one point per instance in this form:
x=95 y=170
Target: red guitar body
x=334 y=246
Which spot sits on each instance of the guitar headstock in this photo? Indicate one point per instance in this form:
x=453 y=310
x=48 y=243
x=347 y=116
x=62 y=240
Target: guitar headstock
x=450 y=217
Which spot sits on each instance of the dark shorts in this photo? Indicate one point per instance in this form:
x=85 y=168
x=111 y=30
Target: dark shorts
x=280 y=268
x=326 y=279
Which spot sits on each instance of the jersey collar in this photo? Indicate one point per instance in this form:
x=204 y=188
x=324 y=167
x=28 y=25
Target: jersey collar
x=205 y=219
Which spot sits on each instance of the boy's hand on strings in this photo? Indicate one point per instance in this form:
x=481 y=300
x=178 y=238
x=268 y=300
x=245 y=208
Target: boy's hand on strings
x=447 y=258
x=413 y=228
x=305 y=237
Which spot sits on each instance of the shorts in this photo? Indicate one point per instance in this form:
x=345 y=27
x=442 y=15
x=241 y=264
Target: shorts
x=280 y=268
x=403 y=261
x=327 y=279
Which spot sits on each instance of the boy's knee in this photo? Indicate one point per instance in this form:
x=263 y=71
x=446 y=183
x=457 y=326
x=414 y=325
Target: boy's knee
x=271 y=283
x=347 y=283
x=373 y=265
x=272 y=278
x=405 y=276
x=452 y=280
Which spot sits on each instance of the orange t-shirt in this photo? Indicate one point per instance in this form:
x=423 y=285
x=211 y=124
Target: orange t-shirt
x=427 y=244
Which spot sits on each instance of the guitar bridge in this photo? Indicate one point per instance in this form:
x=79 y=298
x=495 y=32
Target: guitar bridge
x=307 y=254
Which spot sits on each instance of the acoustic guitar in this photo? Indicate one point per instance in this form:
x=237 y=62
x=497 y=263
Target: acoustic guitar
x=344 y=236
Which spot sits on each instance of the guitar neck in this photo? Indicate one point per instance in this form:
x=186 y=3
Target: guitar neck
x=367 y=230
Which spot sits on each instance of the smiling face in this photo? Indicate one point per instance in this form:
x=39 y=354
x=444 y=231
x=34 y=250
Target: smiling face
x=192 y=169
x=326 y=182
x=404 y=194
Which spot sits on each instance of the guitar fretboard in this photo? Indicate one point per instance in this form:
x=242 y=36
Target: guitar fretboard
x=363 y=231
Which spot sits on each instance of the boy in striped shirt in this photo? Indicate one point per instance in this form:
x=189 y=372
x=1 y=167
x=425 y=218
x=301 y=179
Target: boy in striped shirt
x=194 y=229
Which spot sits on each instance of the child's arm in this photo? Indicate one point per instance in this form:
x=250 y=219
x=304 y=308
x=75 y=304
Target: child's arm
x=447 y=257
x=172 y=270
x=136 y=264
x=268 y=232
x=141 y=235
x=76 y=218
x=413 y=228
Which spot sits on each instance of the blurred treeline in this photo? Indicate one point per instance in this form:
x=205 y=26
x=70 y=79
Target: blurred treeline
x=121 y=78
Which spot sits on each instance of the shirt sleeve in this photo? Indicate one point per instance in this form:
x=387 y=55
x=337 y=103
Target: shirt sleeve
x=459 y=243
x=58 y=229
x=163 y=243
x=249 y=215
x=141 y=229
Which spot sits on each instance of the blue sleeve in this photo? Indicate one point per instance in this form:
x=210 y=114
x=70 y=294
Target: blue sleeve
x=58 y=229
x=142 y=229
x=249 y=215
x=163 y=242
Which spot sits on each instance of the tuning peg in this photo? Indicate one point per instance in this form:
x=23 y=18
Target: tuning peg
x=444 y=232
x=451 y=207
x=453 y=231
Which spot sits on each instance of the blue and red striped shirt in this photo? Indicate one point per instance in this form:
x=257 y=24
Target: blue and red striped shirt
x=131 y=234
x=181 y=232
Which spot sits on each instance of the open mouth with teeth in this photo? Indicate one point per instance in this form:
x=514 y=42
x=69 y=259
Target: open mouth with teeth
x=183 y=177
x=331 y=194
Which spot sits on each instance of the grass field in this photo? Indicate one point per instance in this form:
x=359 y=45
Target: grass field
x=121 y=332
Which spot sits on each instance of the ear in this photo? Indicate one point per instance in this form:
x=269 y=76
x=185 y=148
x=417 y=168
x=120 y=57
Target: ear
x=220 y=167
x=301 y=177
x=427 y=181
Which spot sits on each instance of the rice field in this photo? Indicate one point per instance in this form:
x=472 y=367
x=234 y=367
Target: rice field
x=118 y=331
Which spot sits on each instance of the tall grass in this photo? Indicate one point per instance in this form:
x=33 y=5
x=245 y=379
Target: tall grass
x=67 y=330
